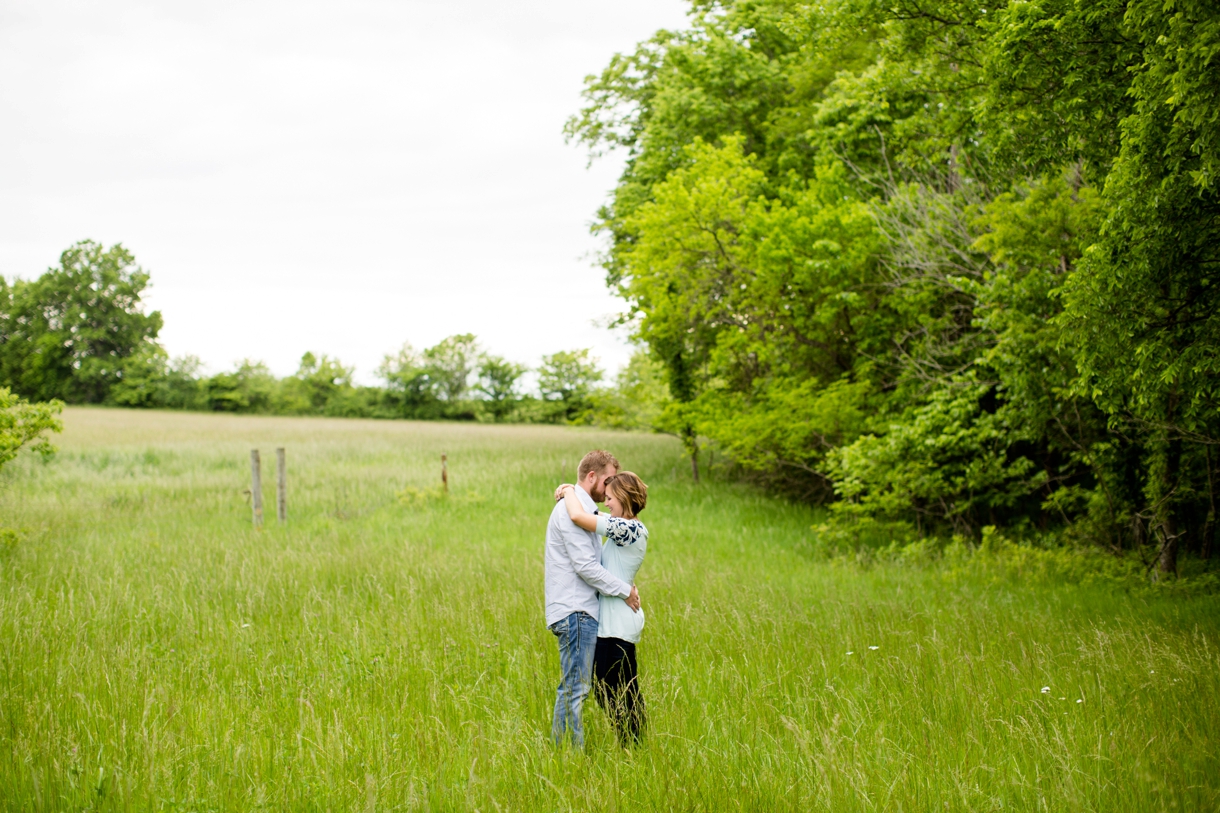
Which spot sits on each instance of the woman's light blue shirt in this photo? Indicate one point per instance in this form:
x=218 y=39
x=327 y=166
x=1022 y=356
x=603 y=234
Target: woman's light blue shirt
x=626 y=542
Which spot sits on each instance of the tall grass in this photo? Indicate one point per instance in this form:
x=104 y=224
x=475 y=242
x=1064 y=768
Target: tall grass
x=386 y=649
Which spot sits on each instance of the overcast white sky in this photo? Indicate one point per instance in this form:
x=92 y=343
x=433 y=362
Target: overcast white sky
x=338 y=177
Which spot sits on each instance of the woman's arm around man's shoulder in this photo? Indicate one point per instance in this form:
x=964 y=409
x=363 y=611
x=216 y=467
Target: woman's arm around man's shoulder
x=576 y=511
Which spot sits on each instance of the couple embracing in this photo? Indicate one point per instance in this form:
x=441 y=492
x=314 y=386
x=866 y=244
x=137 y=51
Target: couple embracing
x=592 y=605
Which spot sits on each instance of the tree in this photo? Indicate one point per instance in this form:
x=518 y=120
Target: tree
x=942 y=260
x=251 y=387
x=638 y=397
x=74 y=332
x=409 y=384
x=567 y=379
x=1143 y=313
x=747 y=298
x=319 y=381
x=498 y=383
x=450 y=365
x=1132 y=88
x=151 y=380
x=22 y=423
x=182 y=386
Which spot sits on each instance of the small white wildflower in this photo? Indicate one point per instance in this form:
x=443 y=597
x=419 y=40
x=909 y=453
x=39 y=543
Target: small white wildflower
x=1046 y=689
x=852 y=652
x=1063 y=698
x=874 y=647
x=243 y=626
x=1152 y=671
x=1080 y=701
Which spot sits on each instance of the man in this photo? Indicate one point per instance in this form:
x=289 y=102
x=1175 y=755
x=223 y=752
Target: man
x=574 y=577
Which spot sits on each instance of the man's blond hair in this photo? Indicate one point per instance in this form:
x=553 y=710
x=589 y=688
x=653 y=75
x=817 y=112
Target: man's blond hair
x=596 y=460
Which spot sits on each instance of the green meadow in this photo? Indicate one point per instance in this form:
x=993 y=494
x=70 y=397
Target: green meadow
x=385 y=648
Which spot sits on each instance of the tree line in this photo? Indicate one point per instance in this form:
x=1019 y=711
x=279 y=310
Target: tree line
x=79 y=334
x=941 y=264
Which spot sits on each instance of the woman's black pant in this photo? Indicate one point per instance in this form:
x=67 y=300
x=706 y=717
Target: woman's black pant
x=616 y=686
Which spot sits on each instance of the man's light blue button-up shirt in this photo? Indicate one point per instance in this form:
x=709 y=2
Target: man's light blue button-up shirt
x=574 y=574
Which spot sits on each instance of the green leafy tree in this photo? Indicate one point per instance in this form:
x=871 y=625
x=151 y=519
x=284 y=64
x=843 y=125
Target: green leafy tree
x=983 y=427
x=23 y=423
x=182 y=386
x=638 y=398
x=948 y=262
x=409 y=384
x=151 y=380
x=948 y=462
x=747 y=299
x=321 y=383
x=1145 y=308
x=498 y=382
x=1132 y=88
x=451 y=364
x=566 y=379
x=74 y=332
x=251 y=387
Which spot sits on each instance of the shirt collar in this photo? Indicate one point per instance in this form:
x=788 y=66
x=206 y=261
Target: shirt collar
x=586 y=499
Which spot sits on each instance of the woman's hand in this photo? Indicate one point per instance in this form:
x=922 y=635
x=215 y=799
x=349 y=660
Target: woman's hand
x=559 y=491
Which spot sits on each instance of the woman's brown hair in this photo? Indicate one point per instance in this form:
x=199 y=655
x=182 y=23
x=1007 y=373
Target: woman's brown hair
x=630 y=490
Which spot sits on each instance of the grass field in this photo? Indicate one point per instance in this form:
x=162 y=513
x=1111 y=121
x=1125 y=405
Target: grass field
x=388 y=653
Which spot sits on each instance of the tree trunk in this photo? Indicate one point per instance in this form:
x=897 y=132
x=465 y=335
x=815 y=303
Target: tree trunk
x=1167 y=561
x=692 y=443
x=1209 y=527
x=1170 y=465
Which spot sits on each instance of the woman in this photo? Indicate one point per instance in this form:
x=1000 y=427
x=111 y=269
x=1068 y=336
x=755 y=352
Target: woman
x=615 y=671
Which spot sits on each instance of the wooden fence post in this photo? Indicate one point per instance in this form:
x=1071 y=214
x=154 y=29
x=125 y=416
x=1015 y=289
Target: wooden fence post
x=256 y=487
x=281 y=484
x=445 y=472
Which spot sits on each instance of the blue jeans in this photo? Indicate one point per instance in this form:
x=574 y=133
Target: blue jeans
x=577 y=636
